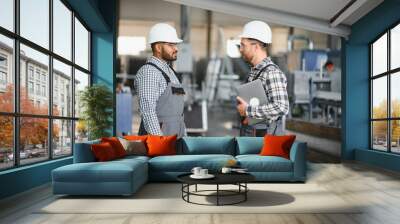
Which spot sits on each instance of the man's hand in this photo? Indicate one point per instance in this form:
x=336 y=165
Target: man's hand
x=242 y=106
x=245 y=121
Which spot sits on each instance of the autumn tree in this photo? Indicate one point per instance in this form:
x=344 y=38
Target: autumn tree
x=33 y=130
x=6 y=122
x=380 y=127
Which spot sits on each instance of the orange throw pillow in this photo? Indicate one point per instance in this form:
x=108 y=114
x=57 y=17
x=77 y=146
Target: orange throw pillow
x=277 y=145
x=136 y=137
x=116 y=145
x=103 y=152
x=161 y=145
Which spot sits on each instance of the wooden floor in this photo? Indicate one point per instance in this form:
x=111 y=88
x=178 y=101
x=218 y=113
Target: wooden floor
x=379 y=190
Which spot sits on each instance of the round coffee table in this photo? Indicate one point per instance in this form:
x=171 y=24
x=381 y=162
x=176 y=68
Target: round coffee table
x=238 y=179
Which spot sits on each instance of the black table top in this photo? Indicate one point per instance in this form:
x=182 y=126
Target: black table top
x=220 y=178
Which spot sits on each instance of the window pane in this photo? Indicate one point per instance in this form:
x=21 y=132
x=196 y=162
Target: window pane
x=379 y=55
x=395 y=136
x=62 y=89
x=379 y=97
x=395 y=94
x=81 y=131
x=379 y=135
x=35 y=21
x=6 y=74
x=81 y=81
x=33 y=139
x=395 y=47
x=6 y=142
x=81 y=45
x=34 y=97
x=62 y=29
x=62 y=138
x=7 y=14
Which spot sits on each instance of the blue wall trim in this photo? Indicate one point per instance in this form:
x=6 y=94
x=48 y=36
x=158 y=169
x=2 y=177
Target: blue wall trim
x=24 y=178
x=356 y=85
x=376 y=158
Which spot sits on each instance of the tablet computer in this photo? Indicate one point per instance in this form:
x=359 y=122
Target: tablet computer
x=254 y=94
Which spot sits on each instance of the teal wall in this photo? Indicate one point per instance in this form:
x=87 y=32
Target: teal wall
x=356 y=85
x=100 y=16
x=104 y=53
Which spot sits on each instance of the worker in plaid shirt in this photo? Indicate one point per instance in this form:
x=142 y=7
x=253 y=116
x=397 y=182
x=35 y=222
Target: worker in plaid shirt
x=160 y=94
x=255 y=39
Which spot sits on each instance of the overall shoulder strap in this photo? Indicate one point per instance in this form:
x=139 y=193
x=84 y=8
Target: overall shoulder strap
x=162 y=72
x=176 y=75
x=262 y=70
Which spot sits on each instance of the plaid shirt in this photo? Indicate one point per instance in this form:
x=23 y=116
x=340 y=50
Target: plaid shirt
x=274 y=82
x=150 y=84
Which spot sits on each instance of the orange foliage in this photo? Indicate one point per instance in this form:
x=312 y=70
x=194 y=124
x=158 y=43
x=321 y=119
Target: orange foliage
x=33 y=130
x=380 y=127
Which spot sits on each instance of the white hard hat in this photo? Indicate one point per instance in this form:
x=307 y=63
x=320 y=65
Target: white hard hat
x=162 y=32
x=257 y=30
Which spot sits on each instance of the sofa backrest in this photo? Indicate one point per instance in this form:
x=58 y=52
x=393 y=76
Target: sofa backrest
x=191 y=146
x=249 y=145
x=83 y=153
x=206 y=145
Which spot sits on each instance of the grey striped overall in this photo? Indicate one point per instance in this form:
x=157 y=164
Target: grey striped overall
x=169 y=108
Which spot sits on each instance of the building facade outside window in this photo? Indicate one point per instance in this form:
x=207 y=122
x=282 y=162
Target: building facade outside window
x=3 y=78
x=47 y=126
x=3 y=72
x=30 y=73
x=385 y=92
x=30 y=87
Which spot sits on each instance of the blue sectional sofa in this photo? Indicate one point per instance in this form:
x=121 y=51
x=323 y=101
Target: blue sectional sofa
x=125 y=176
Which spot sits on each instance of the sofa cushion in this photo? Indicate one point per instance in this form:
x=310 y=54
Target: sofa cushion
x=136 y=137
x=116 y=145
x=207 y=145
x=161 y=145
x=103 y=152
x=257 y=163
x=112 y=171
x=134 y=147
x=185 y=163
x=249 y=145
x=132 y=158
x=277 y=145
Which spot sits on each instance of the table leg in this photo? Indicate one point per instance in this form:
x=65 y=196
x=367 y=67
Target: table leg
x=245 y=193
x=217 y=194
x=196 y=188
x=182 y=188
x=188 y=192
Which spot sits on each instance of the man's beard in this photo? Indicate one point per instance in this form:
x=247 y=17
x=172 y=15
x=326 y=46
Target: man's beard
x=247 y=60
x=168 y=57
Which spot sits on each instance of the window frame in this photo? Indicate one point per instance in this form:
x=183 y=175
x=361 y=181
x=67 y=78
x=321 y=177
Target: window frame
x=388 y=74
x=16 y=114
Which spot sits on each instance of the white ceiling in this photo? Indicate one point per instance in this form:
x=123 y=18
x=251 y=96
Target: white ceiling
x=314 y=15
x=158 y=10
x=320 y=9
